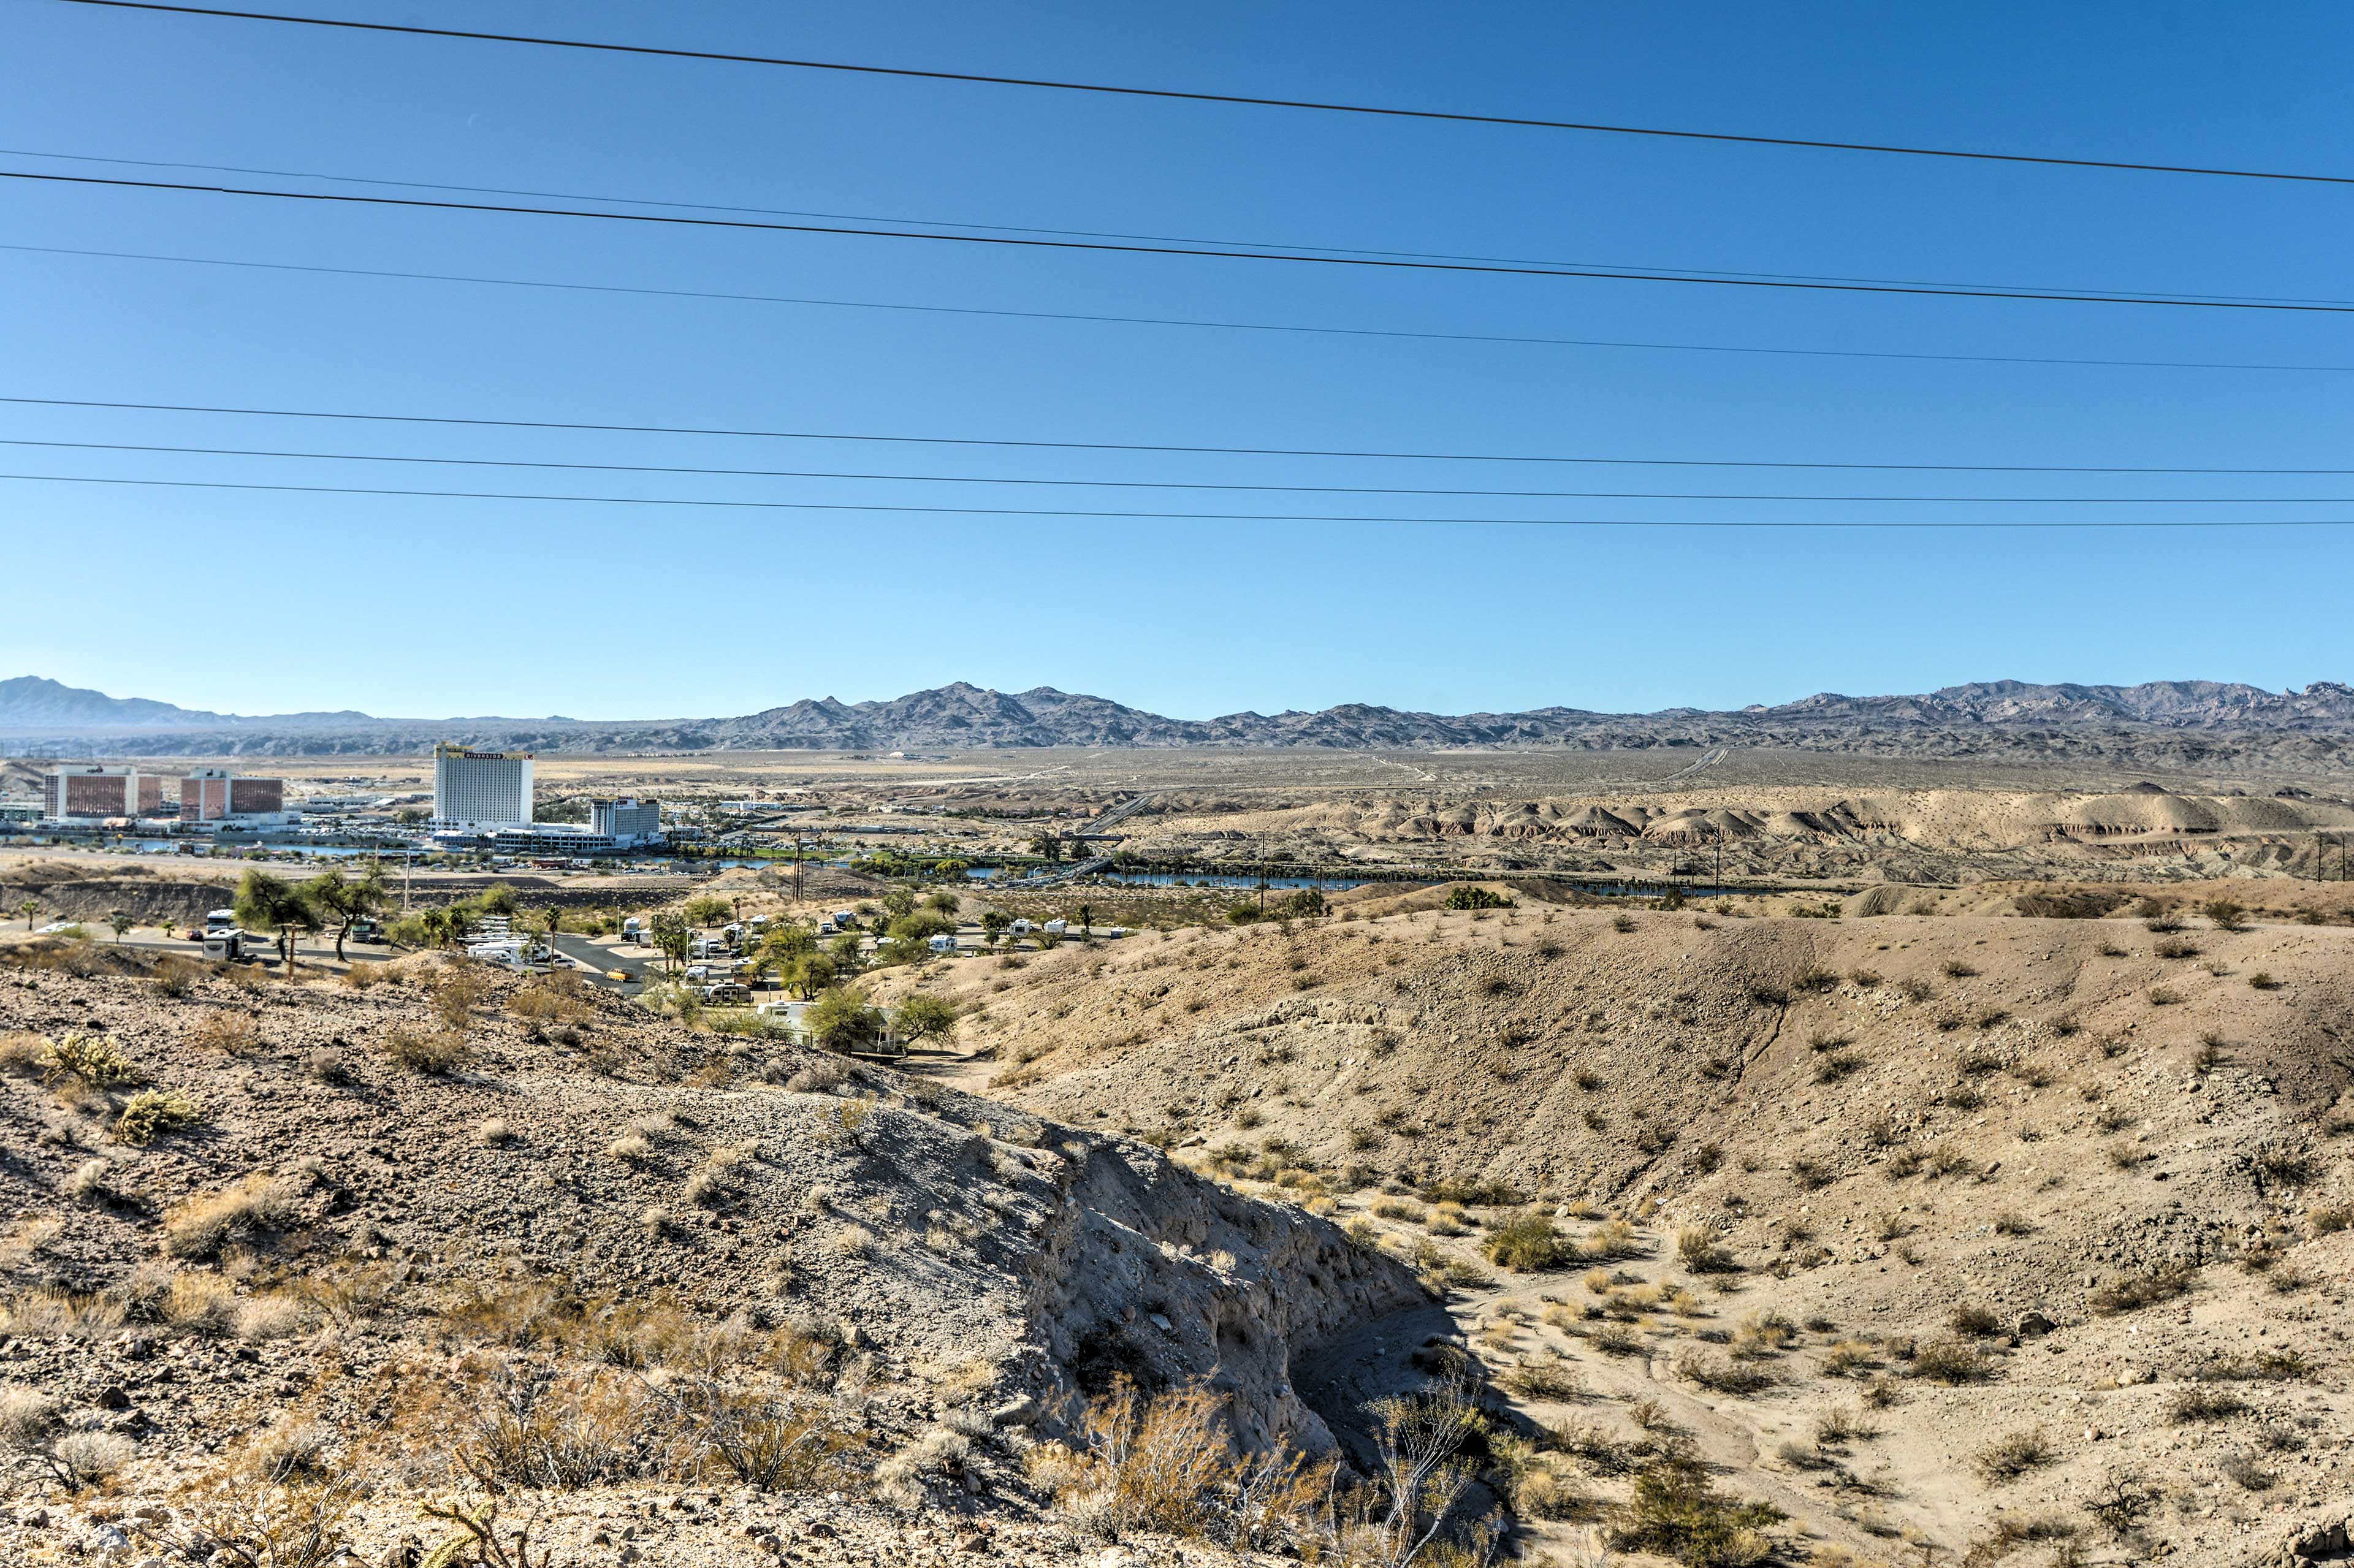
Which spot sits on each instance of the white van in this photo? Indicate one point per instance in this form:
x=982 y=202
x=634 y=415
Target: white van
x=1055 y=928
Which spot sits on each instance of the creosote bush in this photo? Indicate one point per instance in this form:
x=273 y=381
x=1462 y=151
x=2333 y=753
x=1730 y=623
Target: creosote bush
x=441 y=1052
x=1528 y=1243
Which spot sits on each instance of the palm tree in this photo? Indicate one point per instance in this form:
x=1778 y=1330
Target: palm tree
x=30 y=910
x=1086 y=919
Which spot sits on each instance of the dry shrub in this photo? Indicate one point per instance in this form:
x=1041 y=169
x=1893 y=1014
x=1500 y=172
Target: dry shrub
x=555 y=999
x=534 y=1427
x=294 y=1520
x=231 y=1033
x=270 y=1316
x=434 y=1054
x=778 y=1443
x=1547 y=1377
x=1702 y=1251
x=1724 y=1376
x=80 y=1459
x=2009 y=1459
x=1528 y=1243
x=200 y=1227
x=1165 y=1464
x=2138 y=1290
x=1677 y=1512
x=1952 y=1361
x=195 y=1303
x=455 y=992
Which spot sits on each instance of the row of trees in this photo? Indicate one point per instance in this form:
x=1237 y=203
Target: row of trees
x=329 y=901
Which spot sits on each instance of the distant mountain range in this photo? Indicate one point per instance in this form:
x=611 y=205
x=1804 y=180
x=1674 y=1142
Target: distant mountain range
x=2159 y=720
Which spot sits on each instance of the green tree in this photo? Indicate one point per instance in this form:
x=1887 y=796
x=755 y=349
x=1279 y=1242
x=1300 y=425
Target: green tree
x=271 y=902
x=911 y=936
x=899 y=902
x=123 y=925
x=1086 y=919
x=31 y=910
x=338 y=902
x=992 y=924
x=849 y=956
x=785 y=943
x=945 y=902
x=1047 y=847
x=842 y=1018
x=447 y=924
x=708 y=909
x=671 y=936
x=499 y=898
x=1303 y=904
x=810 y=974
x=923 y=1016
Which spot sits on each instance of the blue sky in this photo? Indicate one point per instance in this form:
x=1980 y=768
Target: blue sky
x=271 y=601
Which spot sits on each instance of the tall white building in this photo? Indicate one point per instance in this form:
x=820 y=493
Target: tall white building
x=477 y=790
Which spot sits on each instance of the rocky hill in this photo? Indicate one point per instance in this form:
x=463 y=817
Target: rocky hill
x=2217 y=725
x=262 y=1241
x=2056 y=1210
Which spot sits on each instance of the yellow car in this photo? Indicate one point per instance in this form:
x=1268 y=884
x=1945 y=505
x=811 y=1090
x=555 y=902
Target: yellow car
x=622 y=976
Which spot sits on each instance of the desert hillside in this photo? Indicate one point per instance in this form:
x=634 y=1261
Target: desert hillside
x=1958 y=1180
x=313 y=1246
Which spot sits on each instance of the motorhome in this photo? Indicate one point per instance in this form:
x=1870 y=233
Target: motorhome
x=943 y=943
x=1055 y=928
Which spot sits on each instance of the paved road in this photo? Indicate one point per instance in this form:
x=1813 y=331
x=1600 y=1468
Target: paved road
x=596 y=962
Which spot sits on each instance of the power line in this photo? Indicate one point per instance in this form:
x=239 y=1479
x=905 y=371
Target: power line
x=1184 y=484
x=2175 y=302
x=1517 y=261
x=1136 y=446
x=1168 y=516
x=1380 y=111
x=1503 y=338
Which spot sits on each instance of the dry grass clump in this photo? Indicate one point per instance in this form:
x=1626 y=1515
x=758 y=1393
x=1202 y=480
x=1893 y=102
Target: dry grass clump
x=1164 y=1464
x=200 y=1227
